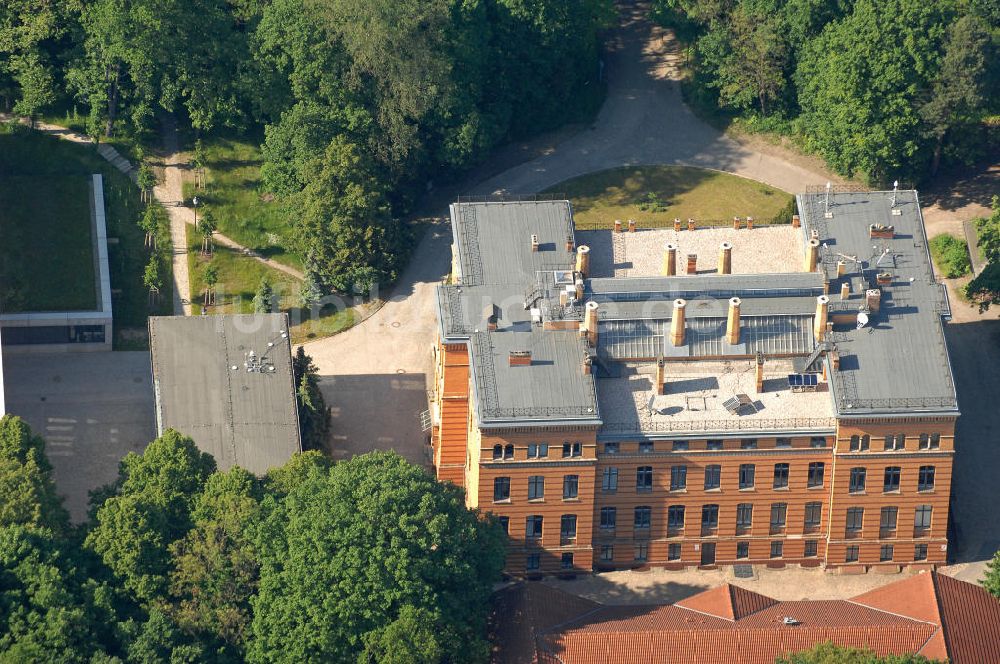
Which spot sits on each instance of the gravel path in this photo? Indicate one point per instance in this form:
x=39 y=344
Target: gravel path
x=643 y=121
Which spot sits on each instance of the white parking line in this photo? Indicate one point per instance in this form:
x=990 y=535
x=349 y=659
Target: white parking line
x=63 y=420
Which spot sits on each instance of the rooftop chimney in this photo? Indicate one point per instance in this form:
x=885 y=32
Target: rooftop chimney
x=618 y=225
x=845 y=290
x=841 y=268
x=578 y=285
x=822 y=312
x=570 y=244
x=736 y=223
x=873 y=299
x=690 y=224
x=661 y=376
x=490 y=314
x=677 y=225
x=669 y=260
x=725 y=258
x=519 y=358
x=631 y=225
x=587 y=365
x=583 y=260
x=733 y=322
x=796 y=221
x=812 y=255
x=590 y=322
x=749 y=223
x=760 y=372
x=534 y=242
x=692 y=266
x=677 y=323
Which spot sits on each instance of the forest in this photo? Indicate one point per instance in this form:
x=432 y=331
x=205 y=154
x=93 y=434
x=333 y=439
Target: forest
x=369 y=560
x=882 y=90
x=363 y=105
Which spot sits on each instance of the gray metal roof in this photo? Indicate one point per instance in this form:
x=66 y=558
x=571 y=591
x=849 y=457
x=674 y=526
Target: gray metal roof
x=899 y=362
x=705 y=286
x=494 y=240
x=242 y=418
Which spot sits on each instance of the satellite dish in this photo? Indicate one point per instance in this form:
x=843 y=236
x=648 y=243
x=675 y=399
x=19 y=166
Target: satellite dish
x=862 y=319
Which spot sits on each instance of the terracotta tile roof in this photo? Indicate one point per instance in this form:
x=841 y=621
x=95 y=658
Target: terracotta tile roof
x=523 y=610
x=931 y=614
x=727 y=601
x=971 y=620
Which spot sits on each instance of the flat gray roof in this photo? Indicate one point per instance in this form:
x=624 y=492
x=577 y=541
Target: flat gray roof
x=204 y=389
x=898 y=362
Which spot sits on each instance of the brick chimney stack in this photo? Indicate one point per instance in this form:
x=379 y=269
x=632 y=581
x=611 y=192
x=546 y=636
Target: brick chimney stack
x=733 y=322
x=669 y=268
x=583 y=260
x=725 y=258
x=677 y=323
x=812 y=255
x=661 y=376
x=822 y=313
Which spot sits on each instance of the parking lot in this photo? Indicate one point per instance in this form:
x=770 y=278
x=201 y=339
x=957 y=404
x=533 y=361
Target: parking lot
x=91 y=408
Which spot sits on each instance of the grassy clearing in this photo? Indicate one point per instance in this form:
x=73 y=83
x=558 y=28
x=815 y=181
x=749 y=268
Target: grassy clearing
x=655 y=195
x=47 y=260
x=27 y=153
x=238 y=279
x=242 y=210
x=951 y=256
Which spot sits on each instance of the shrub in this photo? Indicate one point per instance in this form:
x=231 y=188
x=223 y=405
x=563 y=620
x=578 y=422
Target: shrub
x=951 y=255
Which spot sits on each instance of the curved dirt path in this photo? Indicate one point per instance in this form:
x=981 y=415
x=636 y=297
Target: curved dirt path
x=375 y=375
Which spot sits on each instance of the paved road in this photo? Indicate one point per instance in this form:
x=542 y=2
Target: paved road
x=375 y=374
x=91 y=408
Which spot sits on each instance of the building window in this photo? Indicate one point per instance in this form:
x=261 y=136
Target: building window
x=747 y=471
x=534 y=561
x=714 y=444
x=643 y=516
x=674 y=552
x=900 y=441
x=920 y=552
x=891 y=482
x=885 y=554
x=497 y=452
x=644 y=478
x=857 y=484
x=713 y=477
x=609 y=479
x=607 y=553
x=710 y=516
x=744 y=515
x=887 y=520
x=504 y=522
x=538 y=450
x=508 y=452
x=571 y=486
x=777 y=549
x=814 y=514
x=782 y=442
x=501 y=489
x=567 y=527
x=567 y=561
x=611 y=448
x=641 y=551
x=536 y=487
x=815 y=474
x=855 y=443
x=533 y=527
x=645 y=447
x=780 y=475
x=865 y=442
x=678 y=477
x=817 y=441
x=681 y=446
x=924 y=442
x=852 y=554
x=572 y=450
x=922 y=516
x=889 y=442
x=778 y=513
x=742 y=550
x=811 y=549
x=935 y=441
x=748 y=444
x=855 y=518
x=609 y=518
x=675 y=517
x=925 y=480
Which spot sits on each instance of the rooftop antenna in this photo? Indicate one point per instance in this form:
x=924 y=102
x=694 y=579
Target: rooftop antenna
x=895 y=187
x=826 y=201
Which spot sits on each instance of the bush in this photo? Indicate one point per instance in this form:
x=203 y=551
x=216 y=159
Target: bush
x=951 y=255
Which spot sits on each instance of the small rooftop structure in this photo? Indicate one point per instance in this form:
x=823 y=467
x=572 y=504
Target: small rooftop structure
x=226 y=381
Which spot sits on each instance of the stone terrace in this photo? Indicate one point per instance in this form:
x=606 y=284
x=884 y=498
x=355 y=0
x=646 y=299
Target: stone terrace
x=763 y=250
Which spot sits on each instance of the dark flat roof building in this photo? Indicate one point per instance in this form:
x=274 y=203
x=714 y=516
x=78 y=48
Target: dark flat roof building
x=226 y=381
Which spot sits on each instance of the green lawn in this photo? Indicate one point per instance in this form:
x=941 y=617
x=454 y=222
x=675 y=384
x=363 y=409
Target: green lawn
x=242 y=210
x=655 y=195
x=46 y=246
x=24 y=153
x=238 y=279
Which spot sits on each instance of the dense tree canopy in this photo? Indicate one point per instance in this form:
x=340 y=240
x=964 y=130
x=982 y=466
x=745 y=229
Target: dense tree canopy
x=827 y=653
x=367 y=560
x=27 y=494
x=984 y=290
x=882 y=89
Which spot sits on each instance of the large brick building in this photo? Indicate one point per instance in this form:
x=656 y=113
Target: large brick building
x=618 y=405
